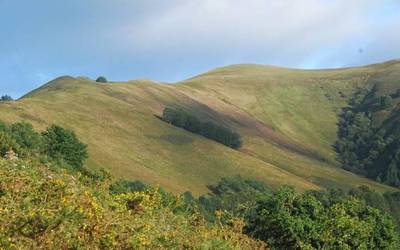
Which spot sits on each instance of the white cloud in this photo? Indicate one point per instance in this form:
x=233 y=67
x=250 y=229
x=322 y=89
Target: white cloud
x=170 y=40
x=285 y=31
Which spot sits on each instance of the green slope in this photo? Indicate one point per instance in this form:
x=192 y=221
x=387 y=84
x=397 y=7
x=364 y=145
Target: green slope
x=369 y=141
x=287 y=119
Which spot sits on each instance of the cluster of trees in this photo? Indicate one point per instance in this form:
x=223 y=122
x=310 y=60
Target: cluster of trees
x=367 y=149
x=286 y=219
x=221 y=134
x=290 y=220
x=55 y=142
x=6 y=98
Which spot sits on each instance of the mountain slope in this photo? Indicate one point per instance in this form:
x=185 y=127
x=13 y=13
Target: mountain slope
x=369 y=135
x=286 y=117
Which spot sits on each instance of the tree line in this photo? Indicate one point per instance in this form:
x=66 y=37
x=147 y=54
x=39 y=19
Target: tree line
x=182 y=119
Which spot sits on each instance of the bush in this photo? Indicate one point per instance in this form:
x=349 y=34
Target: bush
x=101 y=79
x=6 y=98
x=289 y=220
x=7 y=142
x=125 y=186
x=386 y=101
x=233 y=194
x=62 y=144
x=26 y=136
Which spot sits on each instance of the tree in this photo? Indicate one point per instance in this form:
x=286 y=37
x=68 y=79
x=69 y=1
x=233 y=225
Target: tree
x=234 y=194
x=101 y=79
x=25 y=135
x=289 y=220
x=62 y=144
x=386 y=101
x=6 y=98
x=398 y=93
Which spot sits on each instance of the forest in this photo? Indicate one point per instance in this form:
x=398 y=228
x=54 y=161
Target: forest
x=367 y=148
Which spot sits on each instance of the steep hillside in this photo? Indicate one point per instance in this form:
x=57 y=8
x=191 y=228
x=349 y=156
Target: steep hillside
x=287 y=119
x=369 y=135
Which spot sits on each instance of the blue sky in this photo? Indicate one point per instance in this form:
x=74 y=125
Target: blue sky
x=175 y=39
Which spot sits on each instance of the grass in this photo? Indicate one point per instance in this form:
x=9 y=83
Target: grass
x=287 y=118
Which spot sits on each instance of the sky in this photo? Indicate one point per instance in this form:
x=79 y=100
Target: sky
x=171 y=40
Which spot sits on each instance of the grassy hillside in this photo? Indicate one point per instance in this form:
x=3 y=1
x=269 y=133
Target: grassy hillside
x=286 y=117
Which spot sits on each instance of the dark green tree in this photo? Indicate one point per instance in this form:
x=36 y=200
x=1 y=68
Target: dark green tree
x=26 y=136
x=62 y=144
x=6 y=98
x=234 y=194
x=101 y=79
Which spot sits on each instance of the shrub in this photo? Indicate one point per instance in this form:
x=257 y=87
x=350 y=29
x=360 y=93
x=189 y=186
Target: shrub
x=8 y=143
x=26 y=136
x=386 y=101
x=3 y=127
x=289 y=220
x=234 y=194
x=62 y=144
x=101 y=79
x=6 y=98
x=125 y=186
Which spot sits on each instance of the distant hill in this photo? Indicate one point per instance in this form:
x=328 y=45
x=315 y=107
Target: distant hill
x=287 y=118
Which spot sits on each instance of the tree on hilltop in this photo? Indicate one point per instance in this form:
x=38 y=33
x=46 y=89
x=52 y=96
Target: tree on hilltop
x=101 y=79
x=6 y=98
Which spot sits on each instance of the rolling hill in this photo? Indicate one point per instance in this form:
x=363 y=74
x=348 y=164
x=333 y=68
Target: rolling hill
x=287 y=118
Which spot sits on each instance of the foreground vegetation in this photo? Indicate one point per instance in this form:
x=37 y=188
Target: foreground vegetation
x=50 y=201
x=287 y=219
x=52 y=209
